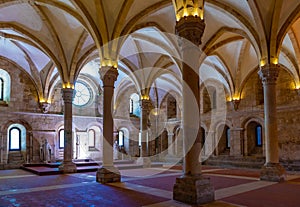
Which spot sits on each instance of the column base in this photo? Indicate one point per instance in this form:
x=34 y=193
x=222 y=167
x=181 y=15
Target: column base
x=193 y=190
x=273 y=172
x=144 y=161
x=108 y=175
x=68 y=167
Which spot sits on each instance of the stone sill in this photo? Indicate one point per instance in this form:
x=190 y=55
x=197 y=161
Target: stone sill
x=3 y=103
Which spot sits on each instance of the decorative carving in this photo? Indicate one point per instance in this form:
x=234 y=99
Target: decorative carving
x=235 y=104
x=188 y=8
x=108 y=75
x=269 y=73
x=191 y=28
x=45 y=107
x=68 y=95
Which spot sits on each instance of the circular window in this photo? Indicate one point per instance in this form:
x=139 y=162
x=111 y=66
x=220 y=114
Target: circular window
x=82 y=94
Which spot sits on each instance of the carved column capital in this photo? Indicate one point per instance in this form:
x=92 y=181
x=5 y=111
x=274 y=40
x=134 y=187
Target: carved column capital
x=108 y=75
x=236 y=103
x=269 y=73
x=68 y=95
x=191 y=28
x=45 y=107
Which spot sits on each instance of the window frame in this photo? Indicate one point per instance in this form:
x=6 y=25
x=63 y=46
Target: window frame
x=123 y=138
x=257 y=137
x=1 y=89
x=94 y=139
x=134 y=108
x=10 y=139
x=90 y=94
x=130 y=106
x=59 y=139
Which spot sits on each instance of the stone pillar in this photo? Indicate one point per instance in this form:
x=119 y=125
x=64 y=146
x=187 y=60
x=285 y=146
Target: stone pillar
x=171 y=145
x=145 y=110
x=236 y=141
x=272 y=170
x=67 y=166
x=191 y=187
x=108 y=173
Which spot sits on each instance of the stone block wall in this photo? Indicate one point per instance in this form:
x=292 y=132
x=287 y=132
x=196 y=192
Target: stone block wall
x=24 y=109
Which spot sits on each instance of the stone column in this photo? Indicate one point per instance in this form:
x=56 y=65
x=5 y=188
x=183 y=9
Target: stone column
x=272 y=170
x=144 y=156
x=191 y=187
x=171 y=145
x=108 y=173
x=67 y=165
x=236 y=141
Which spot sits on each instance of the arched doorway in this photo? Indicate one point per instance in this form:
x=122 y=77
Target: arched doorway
x=254 y=139
x=224 y=140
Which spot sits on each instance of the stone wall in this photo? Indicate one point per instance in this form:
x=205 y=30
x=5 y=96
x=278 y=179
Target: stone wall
x=251 y=109
x=24 y=109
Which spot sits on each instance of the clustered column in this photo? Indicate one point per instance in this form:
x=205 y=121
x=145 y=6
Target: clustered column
x=192 y=187
x=144 y=160
x=108 y=172
x=272 y=170
x=67 y=165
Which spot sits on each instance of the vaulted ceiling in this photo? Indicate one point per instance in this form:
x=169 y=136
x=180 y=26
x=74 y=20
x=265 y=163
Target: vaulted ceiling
x=56 y=39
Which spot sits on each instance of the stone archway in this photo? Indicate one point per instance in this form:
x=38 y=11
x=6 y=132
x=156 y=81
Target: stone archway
x=25 y=153
x=254 y=138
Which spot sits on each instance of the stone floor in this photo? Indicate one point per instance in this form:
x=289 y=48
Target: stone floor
x=151 y=187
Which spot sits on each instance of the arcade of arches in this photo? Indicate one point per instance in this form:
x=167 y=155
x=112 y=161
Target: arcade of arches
x=184 y=82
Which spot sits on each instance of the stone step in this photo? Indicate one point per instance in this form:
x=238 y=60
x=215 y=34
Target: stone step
x=15 y=160
x=227 y=161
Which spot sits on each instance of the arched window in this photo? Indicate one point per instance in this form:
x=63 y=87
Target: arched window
x=91 y=138
x=227 y=137
x=258 y=135
x=1 y=89
x=134 y=108
x=121 y=138
x=14 y=139
x=61 y=139
x=4 y=86
x=131 y=106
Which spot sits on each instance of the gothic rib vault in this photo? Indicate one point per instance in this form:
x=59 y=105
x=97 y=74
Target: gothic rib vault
x=46 y=46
